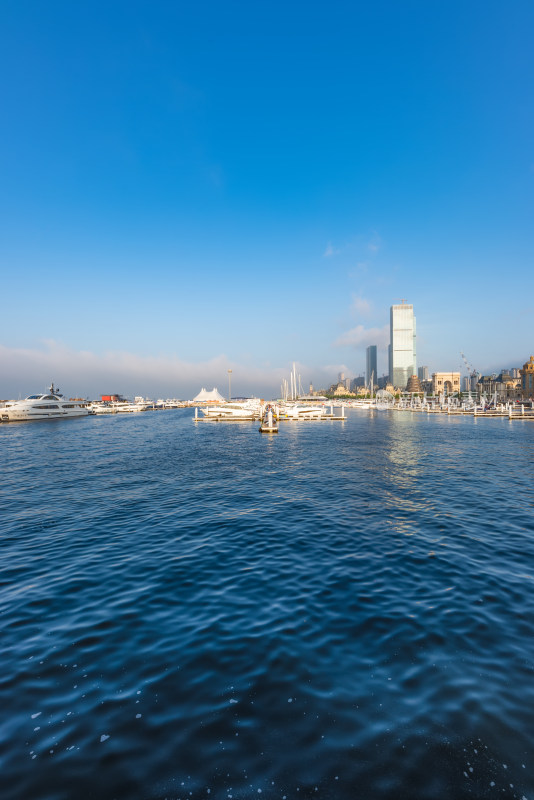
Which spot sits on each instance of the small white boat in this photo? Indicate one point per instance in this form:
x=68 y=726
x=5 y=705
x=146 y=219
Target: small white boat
x=301 y=412
x=125 y=407
x=102 y=408
x=43 y=406
x=248 y=409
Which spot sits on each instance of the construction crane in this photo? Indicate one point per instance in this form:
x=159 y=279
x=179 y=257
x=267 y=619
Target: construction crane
x=471 y=371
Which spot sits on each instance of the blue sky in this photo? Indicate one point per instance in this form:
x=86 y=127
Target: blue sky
x=189 y=187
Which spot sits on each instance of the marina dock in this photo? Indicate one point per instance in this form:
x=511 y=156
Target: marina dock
x=509 y=411
x=284 y=412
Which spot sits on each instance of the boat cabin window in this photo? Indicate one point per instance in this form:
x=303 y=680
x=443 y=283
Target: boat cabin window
x=34 y=397
x=48 y=405
x=68 y=406
x=49 y=397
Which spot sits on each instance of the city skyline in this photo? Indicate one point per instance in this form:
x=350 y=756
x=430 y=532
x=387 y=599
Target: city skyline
x=133 y=375
x=190 y=190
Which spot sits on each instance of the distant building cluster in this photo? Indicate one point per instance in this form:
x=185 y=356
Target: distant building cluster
x=404 y=375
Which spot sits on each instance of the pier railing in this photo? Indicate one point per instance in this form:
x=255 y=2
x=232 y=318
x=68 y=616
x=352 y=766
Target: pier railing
x=503 y=410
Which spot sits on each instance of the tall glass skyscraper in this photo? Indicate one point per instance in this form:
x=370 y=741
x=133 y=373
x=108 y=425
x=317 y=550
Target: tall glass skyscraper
x=402 y=345
x=370 y=365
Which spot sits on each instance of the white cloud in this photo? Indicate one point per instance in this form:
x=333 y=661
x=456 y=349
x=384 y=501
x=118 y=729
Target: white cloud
x=89 y=374
x=359 y=337
x=326 y=375
x=24 y=371
x=331 y=251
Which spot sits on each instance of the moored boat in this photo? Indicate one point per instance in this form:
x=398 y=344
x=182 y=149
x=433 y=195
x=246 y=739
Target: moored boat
x=246 y=410
x=127 y=407
x=51 y=405
x=101 y=408
x=294 y=412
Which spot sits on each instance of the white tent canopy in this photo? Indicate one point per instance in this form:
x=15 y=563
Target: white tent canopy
x=208 y=397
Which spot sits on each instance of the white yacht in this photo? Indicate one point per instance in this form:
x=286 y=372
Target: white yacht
x=249 y=409
x=126 y=407
x=101 y=408
x=43 y=406
x=299 y=412
x=118 y=406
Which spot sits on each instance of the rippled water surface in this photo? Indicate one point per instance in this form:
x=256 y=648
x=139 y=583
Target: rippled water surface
x=344 y=610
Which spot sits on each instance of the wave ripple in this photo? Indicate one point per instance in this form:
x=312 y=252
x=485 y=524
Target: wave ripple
x=198 y=611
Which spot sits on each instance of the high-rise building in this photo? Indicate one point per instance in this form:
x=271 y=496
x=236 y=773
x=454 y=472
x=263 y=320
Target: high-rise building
x=422 y=373
x=370 y=365
x=402 y=345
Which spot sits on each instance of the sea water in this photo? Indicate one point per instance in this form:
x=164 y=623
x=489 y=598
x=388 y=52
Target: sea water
x=341 y=610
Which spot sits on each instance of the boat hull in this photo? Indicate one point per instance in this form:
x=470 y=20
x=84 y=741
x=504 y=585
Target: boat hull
x=8 y=415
